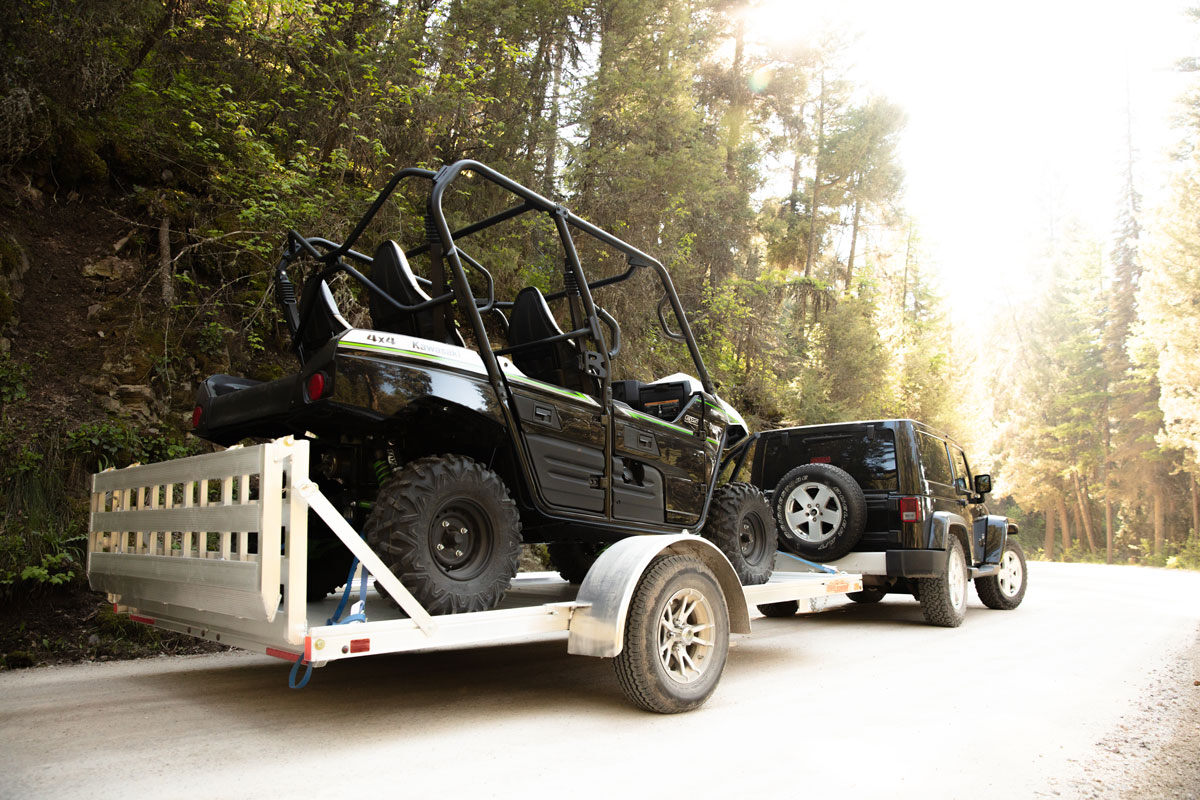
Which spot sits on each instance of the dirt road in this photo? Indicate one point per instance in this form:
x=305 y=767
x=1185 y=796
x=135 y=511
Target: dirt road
x=1081 y=692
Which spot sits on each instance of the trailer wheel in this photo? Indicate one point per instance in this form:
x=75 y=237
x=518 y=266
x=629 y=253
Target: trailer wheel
x=740 y=524
x=784 y=608
x=446 y=526
x=676 y=636
x=868 y=595
x=574 y=559
x=1005 y=590
x=944 y=599
x=821 y=511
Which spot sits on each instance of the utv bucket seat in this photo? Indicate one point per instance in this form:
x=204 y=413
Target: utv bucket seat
x=390 y=271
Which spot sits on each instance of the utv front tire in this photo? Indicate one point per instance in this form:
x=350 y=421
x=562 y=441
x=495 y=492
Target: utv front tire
x=1005 y=590
x=446 y=526
x=821 y=511
x=740 y=524
x=574 y=559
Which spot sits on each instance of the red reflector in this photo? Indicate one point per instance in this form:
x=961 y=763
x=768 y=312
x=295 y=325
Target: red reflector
x=316 y=385
x=284 y=654
x=910 y=509
x=197 y=415
x=360 y=645
x=145 y=620
x=820 y=460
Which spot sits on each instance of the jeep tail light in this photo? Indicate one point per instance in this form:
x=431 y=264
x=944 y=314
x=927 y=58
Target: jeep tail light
x=316 y=385
x=197 y=416
x=910 y=509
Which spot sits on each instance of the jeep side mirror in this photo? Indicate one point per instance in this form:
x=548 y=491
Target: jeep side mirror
x=983 y=484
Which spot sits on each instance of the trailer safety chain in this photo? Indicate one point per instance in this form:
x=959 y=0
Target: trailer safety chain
x=813 y=564
x=359 y=609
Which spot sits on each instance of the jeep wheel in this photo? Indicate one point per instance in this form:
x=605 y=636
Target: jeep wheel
x=1005 y=590
x=676 y=636
x=739 y=523
x=868 y=595
x=784 y=608
x=446 y=526
x=821 y=511
x=574 y=559
x=944 y=599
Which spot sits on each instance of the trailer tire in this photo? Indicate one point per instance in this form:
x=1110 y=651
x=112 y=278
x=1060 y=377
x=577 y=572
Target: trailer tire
x=574 y=559
x=867 y=595
x=676 y=636
x=1005 y=590
x=740 y=524
x=784 y=608
x=821 y=511
x=447 y=527
x=944 y=599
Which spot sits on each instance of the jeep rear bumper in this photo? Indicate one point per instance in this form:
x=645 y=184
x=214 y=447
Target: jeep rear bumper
x=895 y=563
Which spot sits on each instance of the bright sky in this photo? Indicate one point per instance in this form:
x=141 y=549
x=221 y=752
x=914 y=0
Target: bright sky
x=1016 y=115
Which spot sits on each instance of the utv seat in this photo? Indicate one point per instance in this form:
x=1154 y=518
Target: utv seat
x=390 y=271
x=553 y=362
x=324 y=320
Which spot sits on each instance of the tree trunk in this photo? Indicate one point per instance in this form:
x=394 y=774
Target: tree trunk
x=1108 y=529
x=164 y=262
x=1195 y=511
x=1085 y=514
x=1048 y=547
x=550 y=165
x=1066 y=524
x=1159 y=518
x=853 y=242
x=816 y=187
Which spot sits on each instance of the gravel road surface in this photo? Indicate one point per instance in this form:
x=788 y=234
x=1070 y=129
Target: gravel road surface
x=1085 y=691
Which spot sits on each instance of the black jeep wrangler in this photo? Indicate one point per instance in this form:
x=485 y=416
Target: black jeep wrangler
x=896 y=501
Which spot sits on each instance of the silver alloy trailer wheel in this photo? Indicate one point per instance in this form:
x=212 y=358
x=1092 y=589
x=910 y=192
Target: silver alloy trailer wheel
x=676 y=636
x=1005 y=590
x=944 y=599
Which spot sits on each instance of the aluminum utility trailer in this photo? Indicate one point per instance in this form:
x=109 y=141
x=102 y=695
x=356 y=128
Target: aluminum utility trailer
x=203 y=546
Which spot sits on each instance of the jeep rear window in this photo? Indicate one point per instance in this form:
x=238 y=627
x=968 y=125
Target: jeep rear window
x=870 y=459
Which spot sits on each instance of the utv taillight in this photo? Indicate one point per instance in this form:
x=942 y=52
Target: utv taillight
x=910 y=509
x=197 y=415
x=316 y=385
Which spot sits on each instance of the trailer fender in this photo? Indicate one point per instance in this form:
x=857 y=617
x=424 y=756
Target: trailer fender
x=598 y=624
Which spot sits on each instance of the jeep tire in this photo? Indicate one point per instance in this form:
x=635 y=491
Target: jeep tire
x=447 y=527
x=740 y=524
x=944 y=599
x=1005 y=590
x=821 y=511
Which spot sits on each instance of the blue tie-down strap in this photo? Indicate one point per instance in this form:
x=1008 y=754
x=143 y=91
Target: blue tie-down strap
x=292 y=682
x=359 y=609
x=813 y=564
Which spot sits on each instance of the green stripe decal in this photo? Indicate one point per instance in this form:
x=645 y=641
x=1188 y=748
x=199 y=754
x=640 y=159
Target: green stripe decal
x=658 y=421
x=403 y=352
x=536 y=384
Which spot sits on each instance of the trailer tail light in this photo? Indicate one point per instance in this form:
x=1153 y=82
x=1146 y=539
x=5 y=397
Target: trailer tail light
x=821 y=460
x=910 y=509
x=197 y=416
x=360 y=645
x=316 y=385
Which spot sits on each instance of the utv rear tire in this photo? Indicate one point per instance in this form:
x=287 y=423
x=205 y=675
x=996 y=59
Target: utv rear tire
x=944 y=599
x=1005 y=590
x=676 y=636
x=867 y=596
x=821 y=511
x=740 y=524
x=446 y=526
x=328 y=559
x=574 y=559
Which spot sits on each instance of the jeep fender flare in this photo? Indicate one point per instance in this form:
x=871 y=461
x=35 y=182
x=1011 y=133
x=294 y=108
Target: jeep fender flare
x=945 y=524
x=991 y=532
x=598 y=625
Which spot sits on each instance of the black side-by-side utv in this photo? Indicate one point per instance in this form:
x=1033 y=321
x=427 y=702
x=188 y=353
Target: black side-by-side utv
x=447 y=456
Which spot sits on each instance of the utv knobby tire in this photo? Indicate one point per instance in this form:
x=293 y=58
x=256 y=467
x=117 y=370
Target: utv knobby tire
x=784 y=608
x=651 y=668
x=944 y=599
x=740 y=524
x=821 y=511
x=867 y=596
x=457 y=503
x=1005 y=590
x=574 y=559
x=328 y=559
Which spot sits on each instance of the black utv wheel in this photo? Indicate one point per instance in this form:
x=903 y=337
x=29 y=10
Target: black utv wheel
x=1005 y=590
x=739 y=523
x=676 y=636
x=574 y=559
x=821 y=511
x=446 y=526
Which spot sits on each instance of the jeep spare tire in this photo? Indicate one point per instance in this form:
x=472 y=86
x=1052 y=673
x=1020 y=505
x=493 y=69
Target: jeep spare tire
x=821 y=511
x=448 y=529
